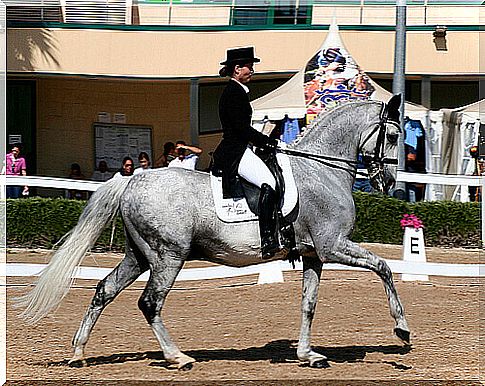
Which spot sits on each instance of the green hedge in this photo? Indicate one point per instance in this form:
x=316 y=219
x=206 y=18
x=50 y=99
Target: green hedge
x=41 y=222
x=446 y=223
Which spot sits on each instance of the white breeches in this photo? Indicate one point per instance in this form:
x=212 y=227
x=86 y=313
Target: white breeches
x=254 y=170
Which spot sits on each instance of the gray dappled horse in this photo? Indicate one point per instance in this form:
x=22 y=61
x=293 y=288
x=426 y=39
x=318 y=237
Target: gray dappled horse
x=170 y=217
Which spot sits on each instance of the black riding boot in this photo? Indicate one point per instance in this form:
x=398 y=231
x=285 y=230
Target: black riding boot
x=267 y=221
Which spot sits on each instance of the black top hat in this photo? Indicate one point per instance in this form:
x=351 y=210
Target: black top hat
x=244 y=54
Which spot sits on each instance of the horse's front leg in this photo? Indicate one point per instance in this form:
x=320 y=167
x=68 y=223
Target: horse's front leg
x=349 y=253
x=312 y=270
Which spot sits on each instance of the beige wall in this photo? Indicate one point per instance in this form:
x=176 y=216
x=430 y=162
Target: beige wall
x=68 y=106
x=67 y=109
x=176 y=54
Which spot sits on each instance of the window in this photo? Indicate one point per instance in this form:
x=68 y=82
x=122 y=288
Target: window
x=271 y=12
x=250 y=12
x=289 y=12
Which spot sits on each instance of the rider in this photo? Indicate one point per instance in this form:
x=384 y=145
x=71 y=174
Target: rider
x=234 y=156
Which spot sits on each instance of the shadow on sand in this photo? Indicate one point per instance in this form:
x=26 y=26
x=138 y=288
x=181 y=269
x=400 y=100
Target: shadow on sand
x=278 y=351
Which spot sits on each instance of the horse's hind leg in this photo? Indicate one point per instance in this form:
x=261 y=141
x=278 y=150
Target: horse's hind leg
x=312 y=270
x=130 y=268
x=162 y=278
x=352 y=254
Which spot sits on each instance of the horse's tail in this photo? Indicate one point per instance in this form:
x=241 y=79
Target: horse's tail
x=56 y=279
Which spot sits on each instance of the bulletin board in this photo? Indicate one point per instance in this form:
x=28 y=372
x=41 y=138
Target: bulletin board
x=113 y=142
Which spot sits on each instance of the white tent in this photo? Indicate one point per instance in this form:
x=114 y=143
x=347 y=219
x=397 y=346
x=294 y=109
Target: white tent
x=291 y=99
x=452 y=133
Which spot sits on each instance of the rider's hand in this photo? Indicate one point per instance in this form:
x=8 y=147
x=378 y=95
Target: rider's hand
x=271 y=145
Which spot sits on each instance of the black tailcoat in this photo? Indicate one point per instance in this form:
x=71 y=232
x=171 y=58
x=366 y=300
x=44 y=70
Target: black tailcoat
x=235 y=115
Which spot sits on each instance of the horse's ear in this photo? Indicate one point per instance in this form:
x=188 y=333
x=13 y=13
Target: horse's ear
x=393 y=108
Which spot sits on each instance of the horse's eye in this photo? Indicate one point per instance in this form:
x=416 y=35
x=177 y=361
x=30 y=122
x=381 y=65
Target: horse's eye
x=392 y=138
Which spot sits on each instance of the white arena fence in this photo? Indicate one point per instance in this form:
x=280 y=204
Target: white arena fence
x=268 y=272
x=223 y=272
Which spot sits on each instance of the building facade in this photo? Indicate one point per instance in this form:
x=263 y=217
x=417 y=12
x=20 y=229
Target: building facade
x=155 y=64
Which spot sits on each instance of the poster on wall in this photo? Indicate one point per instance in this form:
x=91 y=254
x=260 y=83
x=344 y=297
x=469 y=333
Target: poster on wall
x=113 y=142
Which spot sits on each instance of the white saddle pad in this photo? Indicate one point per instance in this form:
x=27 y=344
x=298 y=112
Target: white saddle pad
x=237 y=210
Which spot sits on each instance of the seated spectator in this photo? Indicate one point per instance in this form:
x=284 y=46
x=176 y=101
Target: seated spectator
x=76 y=174
x=127 y=168
x=144 y=161
x=102 y=173
x=184 y=160
x=167 y=156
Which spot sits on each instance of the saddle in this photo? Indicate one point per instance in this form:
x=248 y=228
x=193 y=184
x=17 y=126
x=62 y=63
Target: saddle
x=245 y=207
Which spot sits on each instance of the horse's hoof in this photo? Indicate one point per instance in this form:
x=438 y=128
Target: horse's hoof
x=184 y=362
x=403 y=335
x=320 y=364
x=186 y=367
x=74 y=362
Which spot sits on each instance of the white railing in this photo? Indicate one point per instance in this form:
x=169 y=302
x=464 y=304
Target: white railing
x=223 y=272
x=51 y=182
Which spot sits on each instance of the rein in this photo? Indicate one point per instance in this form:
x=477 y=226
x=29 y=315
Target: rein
x=323 y=159
x=350 y=167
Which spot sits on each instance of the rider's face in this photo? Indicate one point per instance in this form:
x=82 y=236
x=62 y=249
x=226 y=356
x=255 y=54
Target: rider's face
x=244 y=72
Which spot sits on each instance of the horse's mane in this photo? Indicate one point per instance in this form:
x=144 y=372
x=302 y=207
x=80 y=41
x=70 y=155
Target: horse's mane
x=324 y=115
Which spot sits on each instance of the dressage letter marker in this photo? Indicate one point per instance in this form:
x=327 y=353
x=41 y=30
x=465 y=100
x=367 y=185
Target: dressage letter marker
x=413 y=251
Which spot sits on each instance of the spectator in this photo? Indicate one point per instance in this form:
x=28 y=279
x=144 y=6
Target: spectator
x=15 y=165
x=76 y=174
x=184 y=160
x=144 y=161
x=102 y=173
x=167 y=156
x=127 y=168
x=479 y=170
x=415 y=191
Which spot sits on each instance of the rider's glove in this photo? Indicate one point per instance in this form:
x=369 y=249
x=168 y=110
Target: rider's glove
x=271 y=145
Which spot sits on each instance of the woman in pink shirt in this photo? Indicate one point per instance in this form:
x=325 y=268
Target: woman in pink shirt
x=15 y=166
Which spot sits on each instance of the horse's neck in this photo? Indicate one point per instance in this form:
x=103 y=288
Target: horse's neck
x=336 y=133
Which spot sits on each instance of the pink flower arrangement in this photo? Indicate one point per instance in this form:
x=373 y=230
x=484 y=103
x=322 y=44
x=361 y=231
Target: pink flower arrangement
x=412 y=221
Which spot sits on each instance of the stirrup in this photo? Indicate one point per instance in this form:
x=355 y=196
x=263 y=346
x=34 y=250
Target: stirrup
x=267 y=252
x=287 y=236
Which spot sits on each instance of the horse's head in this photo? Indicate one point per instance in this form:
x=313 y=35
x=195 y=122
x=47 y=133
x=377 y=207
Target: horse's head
x=379 y=148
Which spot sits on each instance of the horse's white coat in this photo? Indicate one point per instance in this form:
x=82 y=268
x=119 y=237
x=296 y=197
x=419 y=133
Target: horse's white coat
x=169 y=216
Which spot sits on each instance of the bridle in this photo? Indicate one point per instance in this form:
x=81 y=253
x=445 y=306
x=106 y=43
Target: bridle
x=374 y=162
x=378 y=156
